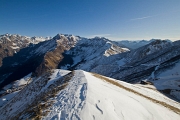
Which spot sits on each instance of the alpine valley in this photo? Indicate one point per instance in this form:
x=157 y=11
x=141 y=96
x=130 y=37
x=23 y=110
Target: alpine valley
x=69 y=77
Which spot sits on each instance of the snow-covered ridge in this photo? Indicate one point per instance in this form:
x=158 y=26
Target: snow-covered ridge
x=90 y=96
x=89 y=50
x=113 y=49
x=157 y=45
x=94 y=98
x=66 y=39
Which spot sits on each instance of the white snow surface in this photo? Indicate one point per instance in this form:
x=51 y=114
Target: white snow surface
x=169 y=80
x=89 y=98
x=126 y=49
x=14 y=47
x=23 y=81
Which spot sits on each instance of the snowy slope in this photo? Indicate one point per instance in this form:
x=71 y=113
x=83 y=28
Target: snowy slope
x=87 y=52
x=89 y=98
x=166 y=77
x=10 y=90
x=130 y=66
x=168 y=81
x=37 y=92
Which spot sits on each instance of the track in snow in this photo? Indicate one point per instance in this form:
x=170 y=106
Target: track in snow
x=70 y=100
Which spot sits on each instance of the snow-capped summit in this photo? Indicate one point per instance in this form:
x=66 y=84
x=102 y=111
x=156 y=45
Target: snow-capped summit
x=20 y=40
x=36 y=40
x=155 y=46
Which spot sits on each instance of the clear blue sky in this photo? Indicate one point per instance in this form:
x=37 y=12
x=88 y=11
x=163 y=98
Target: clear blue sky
x=114 y=19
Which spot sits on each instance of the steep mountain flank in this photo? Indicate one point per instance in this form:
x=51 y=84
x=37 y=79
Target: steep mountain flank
x=87 y=52
x=53 y=58
x=11 y=44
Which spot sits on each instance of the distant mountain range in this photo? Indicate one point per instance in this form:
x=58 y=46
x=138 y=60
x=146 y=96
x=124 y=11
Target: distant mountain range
x=34 y=66
x=136 y=43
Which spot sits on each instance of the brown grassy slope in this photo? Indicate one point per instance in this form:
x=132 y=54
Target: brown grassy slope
x=53 y=58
